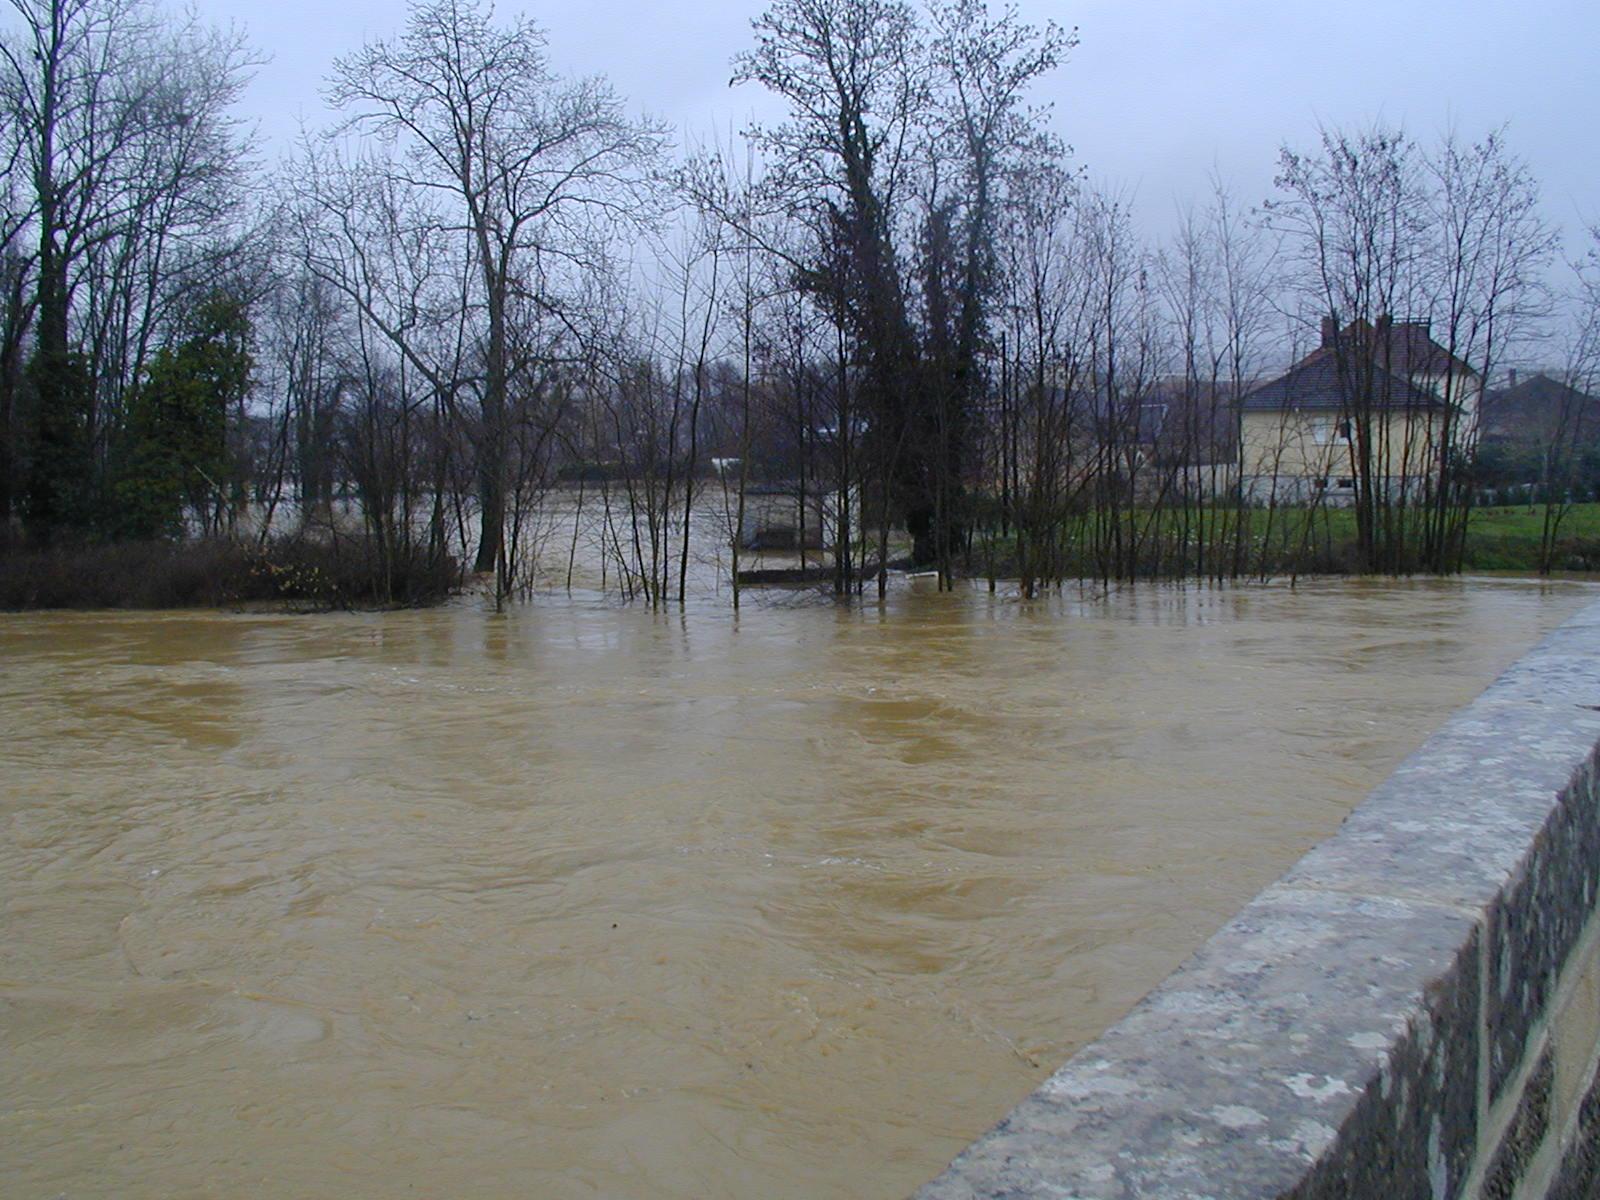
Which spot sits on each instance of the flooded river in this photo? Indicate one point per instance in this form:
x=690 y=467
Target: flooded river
x=579 y=901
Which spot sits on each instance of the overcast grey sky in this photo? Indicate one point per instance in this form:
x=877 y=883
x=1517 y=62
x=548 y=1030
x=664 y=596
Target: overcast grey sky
x=1157 y=93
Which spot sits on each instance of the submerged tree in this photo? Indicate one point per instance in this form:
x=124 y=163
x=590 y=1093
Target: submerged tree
x=908 y=134
x=851 y=72
x=1568 y=449
x=988 y=154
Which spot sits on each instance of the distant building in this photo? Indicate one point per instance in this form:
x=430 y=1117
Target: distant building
x=1385 y=385
x=1165 y=439
x=1539 y=411
x=780 y=517
x=1193 y=448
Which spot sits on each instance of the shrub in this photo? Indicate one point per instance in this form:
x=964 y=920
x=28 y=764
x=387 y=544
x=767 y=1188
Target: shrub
x=346 y=573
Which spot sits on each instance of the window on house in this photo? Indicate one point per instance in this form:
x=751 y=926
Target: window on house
x=1344 y=430
x=1346 y=483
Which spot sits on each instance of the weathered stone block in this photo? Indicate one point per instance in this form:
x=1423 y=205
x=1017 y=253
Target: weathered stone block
x=1311 y=1011
x=1537 y=921
x=1574 y=1037
x=1456 y=821
x=1528 y=1129
x=1578 y=1177
x=1415 y=1131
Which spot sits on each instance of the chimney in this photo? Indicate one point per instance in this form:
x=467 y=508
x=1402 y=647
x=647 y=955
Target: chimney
x=1385 y=320
x=1511 y=378
x=1330 y=331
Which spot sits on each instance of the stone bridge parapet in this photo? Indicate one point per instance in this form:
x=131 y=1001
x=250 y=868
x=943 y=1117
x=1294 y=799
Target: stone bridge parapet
x=1413 y=1011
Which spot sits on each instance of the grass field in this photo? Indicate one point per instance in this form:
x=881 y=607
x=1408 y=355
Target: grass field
x=1507 y=539
x=1310 y=542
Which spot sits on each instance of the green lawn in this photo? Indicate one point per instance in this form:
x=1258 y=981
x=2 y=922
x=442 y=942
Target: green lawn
x=1322 y=540
x=1582 y=520
x=1498 y=539
x=1507 y=539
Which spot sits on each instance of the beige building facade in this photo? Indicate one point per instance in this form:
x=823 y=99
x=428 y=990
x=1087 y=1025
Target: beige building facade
x=1382 y=400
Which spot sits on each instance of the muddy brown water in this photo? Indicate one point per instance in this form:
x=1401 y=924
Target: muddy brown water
x=579 y=901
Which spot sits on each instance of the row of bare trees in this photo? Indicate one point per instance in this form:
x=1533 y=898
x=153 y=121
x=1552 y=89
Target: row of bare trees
x=1452 y=239
x=489 y=319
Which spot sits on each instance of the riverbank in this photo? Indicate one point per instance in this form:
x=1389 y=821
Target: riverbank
x=219 y=573
x=1262 y=543
x=1507 y=539
x=349 y=572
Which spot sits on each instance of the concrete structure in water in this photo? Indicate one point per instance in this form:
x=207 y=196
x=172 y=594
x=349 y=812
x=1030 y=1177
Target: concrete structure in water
x=1412 y=1011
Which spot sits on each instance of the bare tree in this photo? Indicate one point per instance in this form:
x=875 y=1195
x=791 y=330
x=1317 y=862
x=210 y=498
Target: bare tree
x=1420 y=266
x=17 y=299
x=1489 y=253
x=526 y=167
x=1355 y=215
x=383 y=324
x=1575 y=427
x=1216 y=280
x=853 y=74
x=991 y=146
